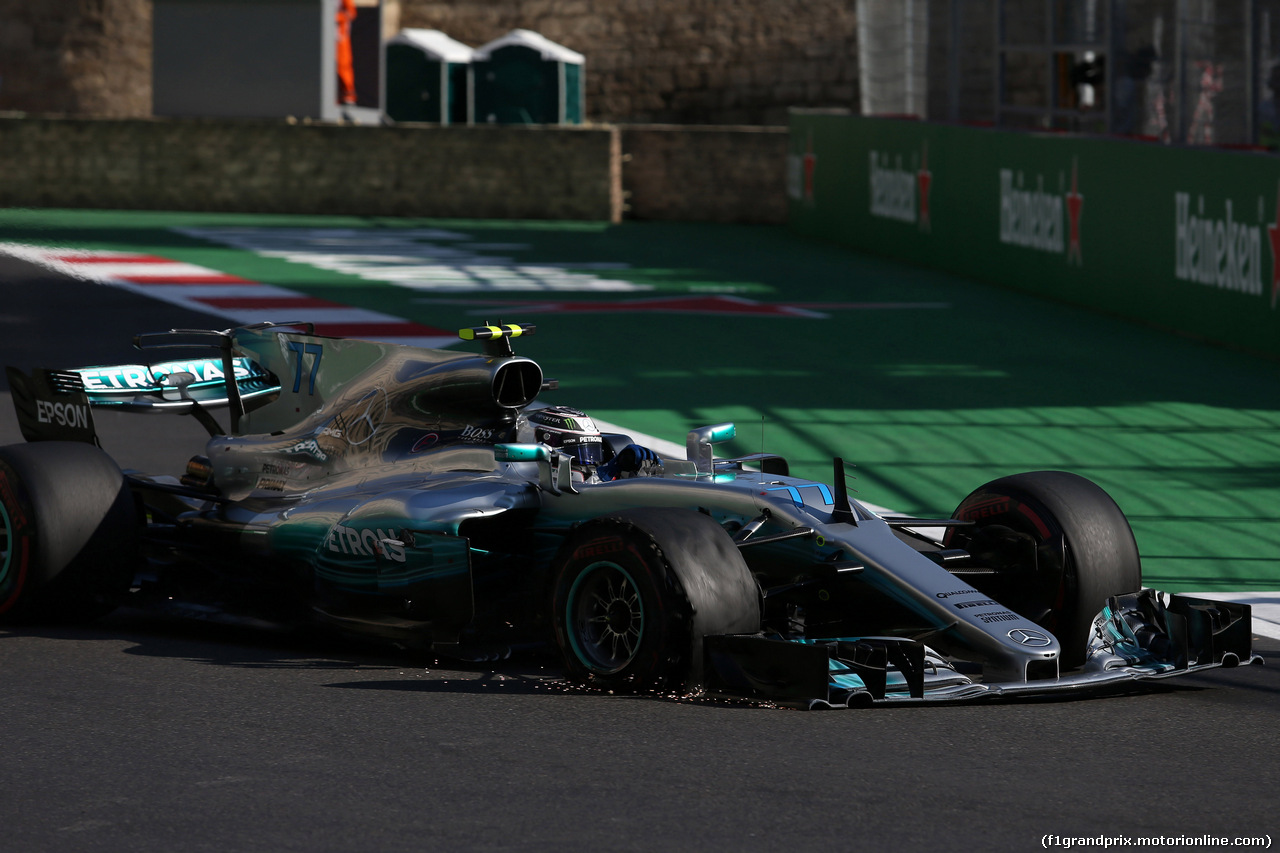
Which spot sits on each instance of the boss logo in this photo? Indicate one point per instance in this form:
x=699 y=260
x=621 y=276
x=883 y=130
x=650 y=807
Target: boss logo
x=474 y=433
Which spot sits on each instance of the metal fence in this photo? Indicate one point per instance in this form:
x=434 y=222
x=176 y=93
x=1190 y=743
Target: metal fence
x=1200 y=72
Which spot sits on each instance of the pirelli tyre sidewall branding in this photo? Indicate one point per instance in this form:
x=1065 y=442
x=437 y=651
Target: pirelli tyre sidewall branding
x=600 y=548
x=985 y=509
x=18 y=527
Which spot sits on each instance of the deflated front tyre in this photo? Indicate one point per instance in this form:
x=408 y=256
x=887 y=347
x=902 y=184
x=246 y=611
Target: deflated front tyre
x=635 y=593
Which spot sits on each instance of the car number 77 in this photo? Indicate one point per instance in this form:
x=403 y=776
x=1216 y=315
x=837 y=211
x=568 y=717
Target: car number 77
x=313 y=349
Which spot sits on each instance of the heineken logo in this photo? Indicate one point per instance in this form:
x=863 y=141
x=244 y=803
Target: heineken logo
x=900 y=192
x=893 y=188
x=1215 y=244
x=1213 y=248
x=800 y=172
x=1273 y=239
x=1037 y=218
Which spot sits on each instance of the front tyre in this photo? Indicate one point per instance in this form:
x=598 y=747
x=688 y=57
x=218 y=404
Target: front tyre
x=1059 y=546
x=68 y=533
x=634 y=594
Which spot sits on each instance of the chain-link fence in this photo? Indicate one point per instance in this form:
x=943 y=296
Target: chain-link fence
x=1201 y=72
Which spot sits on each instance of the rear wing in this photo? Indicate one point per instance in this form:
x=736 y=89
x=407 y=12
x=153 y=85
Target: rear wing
x=54 y=405
x=246 y=368
x=175 y=386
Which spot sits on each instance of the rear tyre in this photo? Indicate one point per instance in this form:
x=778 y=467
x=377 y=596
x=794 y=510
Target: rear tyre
x=1060 y=546
x=68 y=533
x=634 y=594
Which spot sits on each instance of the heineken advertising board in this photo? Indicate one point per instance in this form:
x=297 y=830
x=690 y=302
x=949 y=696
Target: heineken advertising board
x=1184 y=238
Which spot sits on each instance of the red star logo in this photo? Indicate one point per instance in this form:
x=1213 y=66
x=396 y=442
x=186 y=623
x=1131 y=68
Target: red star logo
x=810 y=163
x=1273 y=234
x=1075 y=204
x=924 y=178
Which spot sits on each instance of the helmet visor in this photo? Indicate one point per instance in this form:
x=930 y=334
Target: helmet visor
x=586 y=449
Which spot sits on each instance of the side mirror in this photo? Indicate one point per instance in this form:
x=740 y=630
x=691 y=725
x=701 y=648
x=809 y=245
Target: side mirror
x=699 y=442
x=555 y=470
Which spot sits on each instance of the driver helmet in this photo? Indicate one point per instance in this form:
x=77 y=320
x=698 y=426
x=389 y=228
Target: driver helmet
x=570 y=431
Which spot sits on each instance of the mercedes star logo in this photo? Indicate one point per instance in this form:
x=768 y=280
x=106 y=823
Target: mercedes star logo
x=1029 y=638
x=361 y=428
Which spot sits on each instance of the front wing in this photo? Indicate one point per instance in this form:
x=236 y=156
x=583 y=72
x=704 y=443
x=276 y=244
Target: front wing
x=1137 y=637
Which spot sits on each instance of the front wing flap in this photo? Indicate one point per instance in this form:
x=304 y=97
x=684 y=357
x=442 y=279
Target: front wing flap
x=1137 y=637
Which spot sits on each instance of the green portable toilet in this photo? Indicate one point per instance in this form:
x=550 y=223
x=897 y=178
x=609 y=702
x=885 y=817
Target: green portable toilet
x=427 y=77
x=524 y=78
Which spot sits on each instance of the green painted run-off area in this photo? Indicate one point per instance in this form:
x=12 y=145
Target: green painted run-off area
x=928 y=383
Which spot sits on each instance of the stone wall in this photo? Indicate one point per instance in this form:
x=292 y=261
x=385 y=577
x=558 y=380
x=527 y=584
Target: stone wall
x=705 y=174
x=275 y=167
x=681 y=61
x=85 y=57
x=708 y=174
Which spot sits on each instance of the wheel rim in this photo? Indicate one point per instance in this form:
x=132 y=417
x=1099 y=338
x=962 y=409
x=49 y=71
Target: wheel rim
x=605 y=618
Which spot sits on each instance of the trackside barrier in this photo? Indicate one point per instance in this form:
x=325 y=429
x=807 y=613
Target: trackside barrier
x=1187 y=239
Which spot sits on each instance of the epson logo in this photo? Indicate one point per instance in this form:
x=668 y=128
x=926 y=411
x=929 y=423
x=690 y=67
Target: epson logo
x=62 y=414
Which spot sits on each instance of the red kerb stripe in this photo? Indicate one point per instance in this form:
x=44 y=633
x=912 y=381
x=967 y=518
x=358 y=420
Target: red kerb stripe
x=299 y=301
x=192 y=278
x=110 y=259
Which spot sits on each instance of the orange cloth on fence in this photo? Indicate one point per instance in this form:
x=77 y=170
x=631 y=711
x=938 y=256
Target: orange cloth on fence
x=346 y=66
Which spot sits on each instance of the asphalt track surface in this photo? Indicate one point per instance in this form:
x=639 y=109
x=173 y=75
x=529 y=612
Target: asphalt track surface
x=144 y=735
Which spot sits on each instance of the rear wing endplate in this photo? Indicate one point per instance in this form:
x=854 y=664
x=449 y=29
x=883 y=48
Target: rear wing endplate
x=51 y=406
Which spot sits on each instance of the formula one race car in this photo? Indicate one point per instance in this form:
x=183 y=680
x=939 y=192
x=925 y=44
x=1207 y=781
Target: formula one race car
x=427 y=497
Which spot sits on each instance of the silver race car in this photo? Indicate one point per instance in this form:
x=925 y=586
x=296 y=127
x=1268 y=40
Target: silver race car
x=430 y=498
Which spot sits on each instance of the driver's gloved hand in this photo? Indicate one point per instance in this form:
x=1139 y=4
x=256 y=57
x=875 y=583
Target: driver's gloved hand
x=629 y=460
